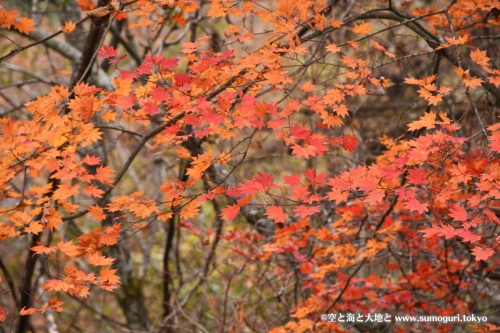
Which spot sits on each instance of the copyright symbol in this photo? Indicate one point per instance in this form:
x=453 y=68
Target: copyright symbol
x=324 y=317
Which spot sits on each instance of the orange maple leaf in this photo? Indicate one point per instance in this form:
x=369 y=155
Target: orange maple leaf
x=362 y=28
x=98 y=260
x=97 y=213
x=428 y=120
x=54 y=304
x=480 y=57
x=27 y=312
x=69 y=27
x=336 y=23
x=93 y=190
x=103 y=174
x=52 y=220
x=40 y=248
x=24 y=25
x=333 y=48
x=68 y=248
x=109 y=280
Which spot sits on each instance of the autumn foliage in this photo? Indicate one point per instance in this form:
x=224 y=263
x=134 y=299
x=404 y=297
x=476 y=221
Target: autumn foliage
x=241 y=166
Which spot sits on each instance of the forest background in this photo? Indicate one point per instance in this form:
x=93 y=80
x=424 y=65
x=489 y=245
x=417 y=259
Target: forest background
x=248 y=166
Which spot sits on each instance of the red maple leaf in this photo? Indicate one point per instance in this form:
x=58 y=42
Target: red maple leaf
x=303 y=211
x=230 y=212
x=107 y=52
x=468 y=236
x=276 y=213
x=292 y=180
x=3 y=314
x=417 y=176
x=447 y=231
x=482 y=254
x=491 y=216
x=415 y=205
x=459 y=213
x=350 y=142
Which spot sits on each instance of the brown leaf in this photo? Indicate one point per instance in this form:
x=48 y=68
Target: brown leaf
x=114 y=5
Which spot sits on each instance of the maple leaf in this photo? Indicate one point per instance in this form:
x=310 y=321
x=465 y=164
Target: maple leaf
x=107 y=52
x=25 y=25
x=230 y=212
x=109 y=280
x=491 y=216
x=362 y=28
x=350 y=142
x=292 y=180
x=482 y=254
x=57 y=285
x=97 y=213
x=199 y=164
x=417 y=176
x=428 y=120
x=69 y=27
x=20 y=218
x=415 y=205
x=53 y=220
x=40 y=248
x=93 y=190
x=68 y=248
x=98 y=260
x=3 y=314
x=430 y=232
x=341 y=110
x=303 y=151
x=473 y=82
x=468 y=236
x=54 y=304
x=188 y=47
x=333 y=48
x=190 y=210
x=307 y=87
x=85 y=5
x=91 y=160
x=27 y=312
x=111 y=235
x=459 y=213
x=338 y=195
x=330 y=120
x=336 y=23
x=8 y=17
x=34 y=228
x=447 y=231
x=479 y=57
x=103 y=174
x=276 y=213
x=126 y=102
x=303 y=211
